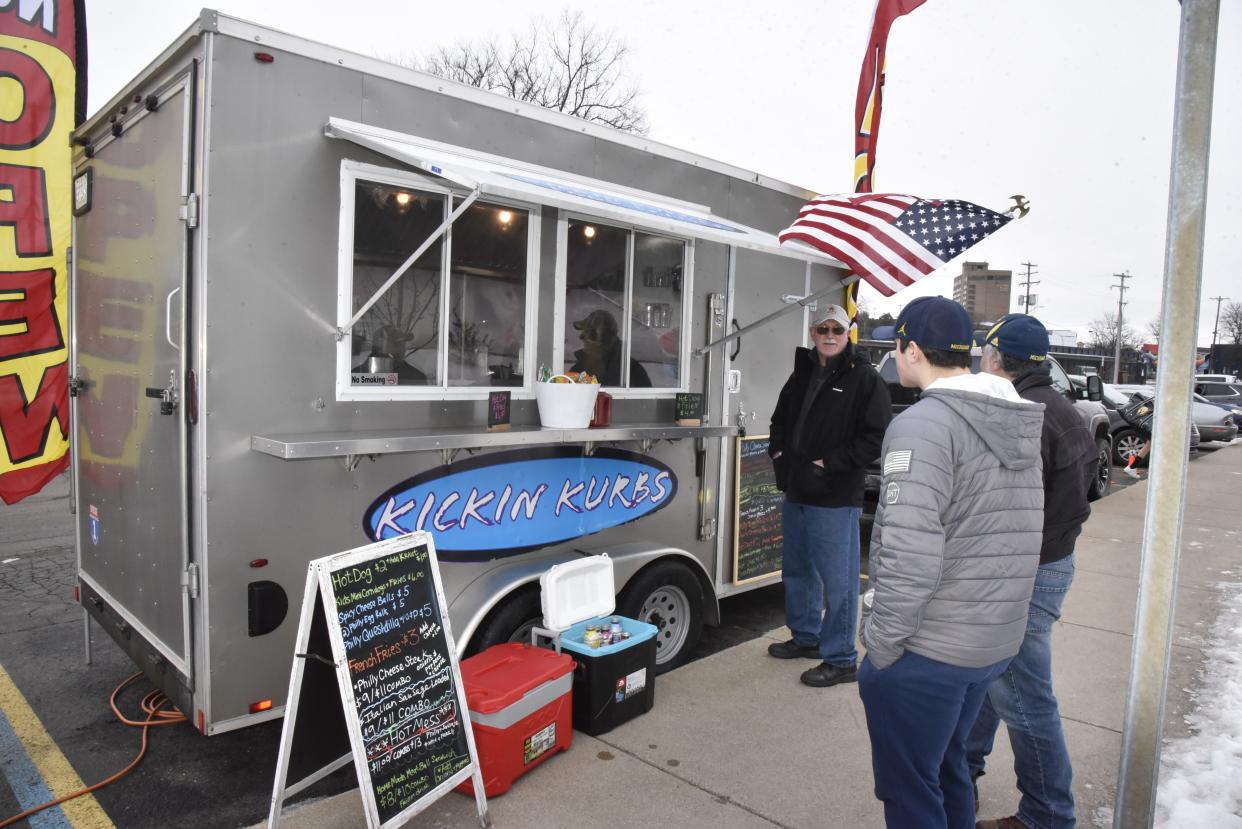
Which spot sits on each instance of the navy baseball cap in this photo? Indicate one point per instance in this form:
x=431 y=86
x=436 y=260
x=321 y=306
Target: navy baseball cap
x=932 y=322
x=1019 y=335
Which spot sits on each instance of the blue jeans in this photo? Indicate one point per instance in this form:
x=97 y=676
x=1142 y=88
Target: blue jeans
x=1022 y=696
x=820 y=570
x=919 y=712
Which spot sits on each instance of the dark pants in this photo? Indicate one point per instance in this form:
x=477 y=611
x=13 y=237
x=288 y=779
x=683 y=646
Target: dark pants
x=919 y=713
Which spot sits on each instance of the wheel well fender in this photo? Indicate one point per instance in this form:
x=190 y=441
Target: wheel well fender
x=636 y=564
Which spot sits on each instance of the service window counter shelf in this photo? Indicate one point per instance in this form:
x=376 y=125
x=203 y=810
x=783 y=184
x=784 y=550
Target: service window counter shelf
x=352 y=447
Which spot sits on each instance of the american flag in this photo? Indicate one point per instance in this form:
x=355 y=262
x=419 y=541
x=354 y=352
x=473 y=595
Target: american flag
x=891 y=240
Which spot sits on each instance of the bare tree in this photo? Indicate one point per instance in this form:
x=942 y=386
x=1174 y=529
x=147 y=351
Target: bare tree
x=1231 y=322
x=568 y=65
x=1104 y=333
x=1153 y=328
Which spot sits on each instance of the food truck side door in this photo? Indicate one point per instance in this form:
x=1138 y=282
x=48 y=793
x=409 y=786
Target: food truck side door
x=130 y=286
x=764 y=360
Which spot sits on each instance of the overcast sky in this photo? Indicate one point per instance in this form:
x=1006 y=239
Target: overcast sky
x=1065 y=101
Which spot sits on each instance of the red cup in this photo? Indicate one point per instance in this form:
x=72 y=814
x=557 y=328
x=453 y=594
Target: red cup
x=603 y=410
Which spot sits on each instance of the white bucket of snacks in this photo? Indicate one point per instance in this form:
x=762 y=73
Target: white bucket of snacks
x=566 y=402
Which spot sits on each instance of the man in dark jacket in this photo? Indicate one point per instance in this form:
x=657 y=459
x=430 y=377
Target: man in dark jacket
x=827 y=428
x=1016 y=348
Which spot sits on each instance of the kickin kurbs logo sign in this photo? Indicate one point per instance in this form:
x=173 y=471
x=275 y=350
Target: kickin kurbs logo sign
x=40 y=103
x=511 y=502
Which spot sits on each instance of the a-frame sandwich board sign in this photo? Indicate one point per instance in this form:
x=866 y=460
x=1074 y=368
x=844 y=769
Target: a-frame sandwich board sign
x=375 y=677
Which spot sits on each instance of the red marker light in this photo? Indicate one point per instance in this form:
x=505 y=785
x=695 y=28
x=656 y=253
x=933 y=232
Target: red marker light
x=261 y=705
x=77 y=595
x=259 y=562
x=264 y=57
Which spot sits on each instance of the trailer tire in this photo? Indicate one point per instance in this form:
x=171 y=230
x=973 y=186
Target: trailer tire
x=510 y=621
x=669 y=596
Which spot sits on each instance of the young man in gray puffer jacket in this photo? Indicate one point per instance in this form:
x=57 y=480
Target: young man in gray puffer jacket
x=954 y=551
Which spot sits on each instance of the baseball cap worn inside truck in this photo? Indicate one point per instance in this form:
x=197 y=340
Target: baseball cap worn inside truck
x=932 y=322
x=1019 y=335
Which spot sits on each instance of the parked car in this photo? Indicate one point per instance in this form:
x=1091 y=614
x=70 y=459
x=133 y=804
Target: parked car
x=1216 y=378
x=1227 y=429
x=1212 y=422
x=1234 y=409
x=1093 y=413
x=1220 y=392
x=1126 y=440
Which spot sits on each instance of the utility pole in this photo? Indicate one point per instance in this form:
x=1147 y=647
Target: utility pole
x=1216 y=326
x=1121 y=324
x=1026 y=296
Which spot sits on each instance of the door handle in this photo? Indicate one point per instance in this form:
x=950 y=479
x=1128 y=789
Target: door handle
x=168 y=317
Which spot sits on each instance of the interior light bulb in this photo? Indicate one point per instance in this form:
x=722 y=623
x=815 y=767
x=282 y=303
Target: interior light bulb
x=505 y=217
x=589 y=232
x=403 y=198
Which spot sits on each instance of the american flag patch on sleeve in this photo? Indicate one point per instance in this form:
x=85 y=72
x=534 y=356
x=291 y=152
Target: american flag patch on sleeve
x=897 y=461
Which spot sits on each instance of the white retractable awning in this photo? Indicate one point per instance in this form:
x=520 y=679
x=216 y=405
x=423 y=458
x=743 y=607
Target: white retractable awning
x=505 y=178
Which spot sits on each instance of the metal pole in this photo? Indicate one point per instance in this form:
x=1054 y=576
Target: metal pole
x=1121 y=325
x=1162 y=527
x=1216 y=325
x=779 y=312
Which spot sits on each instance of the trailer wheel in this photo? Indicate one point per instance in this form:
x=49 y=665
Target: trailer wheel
x=510 y=621
x=668 y=596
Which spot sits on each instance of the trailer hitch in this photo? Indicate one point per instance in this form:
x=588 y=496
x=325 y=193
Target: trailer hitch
x=167 y=396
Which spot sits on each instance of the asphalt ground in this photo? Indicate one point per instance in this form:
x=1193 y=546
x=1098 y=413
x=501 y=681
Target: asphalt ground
x=56 y=707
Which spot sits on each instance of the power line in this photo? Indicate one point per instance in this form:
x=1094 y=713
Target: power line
x=1121 y=304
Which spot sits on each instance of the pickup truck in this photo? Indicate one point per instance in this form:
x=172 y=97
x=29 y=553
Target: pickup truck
x=1086 y=400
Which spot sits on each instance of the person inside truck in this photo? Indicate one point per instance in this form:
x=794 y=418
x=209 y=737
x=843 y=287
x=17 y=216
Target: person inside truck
x=601 y=351
x=1016 y=349
x=826 y=429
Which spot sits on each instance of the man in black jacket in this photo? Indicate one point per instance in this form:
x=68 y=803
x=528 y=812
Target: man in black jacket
x=827 y=428
x=1016 y=348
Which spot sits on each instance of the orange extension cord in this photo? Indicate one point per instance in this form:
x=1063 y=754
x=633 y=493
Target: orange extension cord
x=153 y=706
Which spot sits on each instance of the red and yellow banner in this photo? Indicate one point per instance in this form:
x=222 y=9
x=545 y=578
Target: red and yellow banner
x=41 y=51
x=868 y=104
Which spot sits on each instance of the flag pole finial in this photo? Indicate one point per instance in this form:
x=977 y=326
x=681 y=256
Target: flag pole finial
x=1021 y=206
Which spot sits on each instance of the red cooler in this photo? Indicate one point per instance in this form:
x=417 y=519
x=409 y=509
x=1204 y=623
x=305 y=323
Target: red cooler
x=520 y=710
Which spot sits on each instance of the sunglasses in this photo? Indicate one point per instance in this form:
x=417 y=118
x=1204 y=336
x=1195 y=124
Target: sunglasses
x=825 y=330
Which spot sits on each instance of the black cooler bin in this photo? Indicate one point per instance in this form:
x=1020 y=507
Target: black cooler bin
x=612 y=683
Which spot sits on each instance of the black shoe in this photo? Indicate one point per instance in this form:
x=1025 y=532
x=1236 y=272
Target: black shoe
x=792 y=650
x=825 y=674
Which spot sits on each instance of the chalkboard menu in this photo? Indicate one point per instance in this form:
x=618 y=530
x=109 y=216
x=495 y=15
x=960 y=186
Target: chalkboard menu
x=689 y=409
x=758 y=540
x=498 y=411
x=396 y=680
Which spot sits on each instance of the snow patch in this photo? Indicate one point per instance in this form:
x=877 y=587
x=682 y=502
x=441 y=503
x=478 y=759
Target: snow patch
x=1199 y=783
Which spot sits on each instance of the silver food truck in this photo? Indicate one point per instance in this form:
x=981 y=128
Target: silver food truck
x=299 y=275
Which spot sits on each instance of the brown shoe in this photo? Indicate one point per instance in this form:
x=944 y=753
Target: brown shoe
x=1010 y=822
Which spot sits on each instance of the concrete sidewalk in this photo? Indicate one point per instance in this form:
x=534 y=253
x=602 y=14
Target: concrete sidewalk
x=735 y=740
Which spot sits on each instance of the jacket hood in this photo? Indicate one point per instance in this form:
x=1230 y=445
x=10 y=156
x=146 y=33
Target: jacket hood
x=1009 y=426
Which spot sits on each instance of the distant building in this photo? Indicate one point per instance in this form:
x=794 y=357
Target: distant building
x=984 y=293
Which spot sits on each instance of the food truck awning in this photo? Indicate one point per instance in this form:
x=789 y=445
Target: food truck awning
x=506 y=178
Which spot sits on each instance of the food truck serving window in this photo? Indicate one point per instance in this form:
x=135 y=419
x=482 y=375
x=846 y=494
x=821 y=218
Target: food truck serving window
x=456 y=320
x=623 y=305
